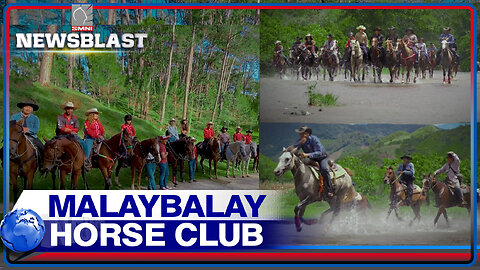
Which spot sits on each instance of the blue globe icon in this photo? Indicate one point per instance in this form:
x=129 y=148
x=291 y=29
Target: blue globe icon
x=22 y=230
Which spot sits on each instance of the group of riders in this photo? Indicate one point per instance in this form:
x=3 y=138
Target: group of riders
x=331 y=45
x=94 y=134
x=315 y=155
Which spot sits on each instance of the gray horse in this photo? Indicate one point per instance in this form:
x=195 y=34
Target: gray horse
x=233 y=152
x=307 y=187
x=250 y=152
x=446 y=61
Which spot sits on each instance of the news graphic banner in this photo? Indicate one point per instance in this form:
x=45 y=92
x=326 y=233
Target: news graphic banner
x=107 y=221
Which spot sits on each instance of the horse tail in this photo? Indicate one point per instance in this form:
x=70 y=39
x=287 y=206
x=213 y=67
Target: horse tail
x=349 y=172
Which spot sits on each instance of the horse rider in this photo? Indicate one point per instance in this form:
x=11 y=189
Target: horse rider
x=295 y=46
x=248 y=137
x=450 y=41
x=128 y=125
x=411 y=39
x=317 y=155
x=452 y=169
x=332 y=45
x=172 y=130
x=224 y=139
x=406 y=172
x=208 y=133
x=362 y=39
x=377 y=34
x=432 y=47
x=422 y=47
x=184 y=128
x=310 y=45
x=67 y=123
x=279 y=50
x=350 y=38
x=31 y=125
x=393 y=36
x=94 y=131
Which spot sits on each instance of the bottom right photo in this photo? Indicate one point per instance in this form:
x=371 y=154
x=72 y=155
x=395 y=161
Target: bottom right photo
x=370 y=184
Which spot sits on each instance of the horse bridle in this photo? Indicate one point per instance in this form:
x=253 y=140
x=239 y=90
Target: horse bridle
x=18 y=143
x=176 y=155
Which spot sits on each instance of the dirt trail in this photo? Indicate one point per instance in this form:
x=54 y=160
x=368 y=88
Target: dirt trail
x=426 y=102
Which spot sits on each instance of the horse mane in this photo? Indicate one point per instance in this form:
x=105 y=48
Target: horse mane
x=349 y=172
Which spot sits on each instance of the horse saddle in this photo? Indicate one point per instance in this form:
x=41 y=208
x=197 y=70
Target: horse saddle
x=335 y=172
x=416 y=189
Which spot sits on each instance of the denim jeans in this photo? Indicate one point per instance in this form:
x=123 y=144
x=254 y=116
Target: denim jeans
x=192 y=166
x=87 y=146
x=163 y=174
x=151 y=175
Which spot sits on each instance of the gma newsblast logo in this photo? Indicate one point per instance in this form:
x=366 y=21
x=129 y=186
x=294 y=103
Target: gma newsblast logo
x=82 y=18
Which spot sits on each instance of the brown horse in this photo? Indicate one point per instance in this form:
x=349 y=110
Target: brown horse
x=211 y=152
x=67 y=156
x=179 y=151
x=376 y=60
x=329 y=63
x=432 y=62
x=280 y=64
x=391 y=60
x=23 y=161
x=119 y=146
x=422 y=66
x=139 y=159
x=398 y=196
x=443 y=197
x=407 y=61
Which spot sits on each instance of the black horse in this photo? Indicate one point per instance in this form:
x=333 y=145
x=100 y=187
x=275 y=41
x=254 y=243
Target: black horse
x=179 y=151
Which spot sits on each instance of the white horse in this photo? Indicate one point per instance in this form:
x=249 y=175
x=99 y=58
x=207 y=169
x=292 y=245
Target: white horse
x=446 y=60
x=356 y=61
x=307 y=187
x=250 y=151
x=233 y=152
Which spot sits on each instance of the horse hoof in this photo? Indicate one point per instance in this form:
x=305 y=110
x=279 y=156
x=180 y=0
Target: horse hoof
x=226 y=176
x=133 y=187
x=243 y=176
x=248 y=175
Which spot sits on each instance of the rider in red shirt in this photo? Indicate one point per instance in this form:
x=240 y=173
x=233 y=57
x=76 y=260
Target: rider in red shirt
x=67 y=123
x=238 y=136
x=128 y=125
x=208 y=133
x=248 y=137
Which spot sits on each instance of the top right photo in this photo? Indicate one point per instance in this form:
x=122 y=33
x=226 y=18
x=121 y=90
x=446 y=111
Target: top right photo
x=400 y=66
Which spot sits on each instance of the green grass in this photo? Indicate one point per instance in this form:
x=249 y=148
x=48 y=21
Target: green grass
x=319 y=99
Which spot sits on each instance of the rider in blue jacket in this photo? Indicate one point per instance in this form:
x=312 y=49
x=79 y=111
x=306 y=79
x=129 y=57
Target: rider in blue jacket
x=451 y=43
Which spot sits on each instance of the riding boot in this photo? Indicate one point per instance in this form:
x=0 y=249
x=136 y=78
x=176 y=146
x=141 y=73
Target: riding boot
x=459 y=197
x=88 y=163
x=408 y=197
x=328 y=184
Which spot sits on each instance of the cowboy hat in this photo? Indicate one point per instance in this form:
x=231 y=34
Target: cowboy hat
x=392 y=28
x=299 y=38
x=377 y=29
x=301 y=129
x=409 y=29
x=172 y=120
x=193 y=139
x=164 y=137
x=308 y=35
x=350 y=34
x=223 y=128
x=93 y=110
x=249 y=131
x=330 y=35
x=446 y=28
x=32 y=103
x=406 y=156
x=361 y=27
x=210 y=123
x=278 y=41
x=238 y=128
x=69 y=104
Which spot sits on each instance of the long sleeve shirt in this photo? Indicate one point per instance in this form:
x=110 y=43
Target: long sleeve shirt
x=130 y=129
x=208 y=133
x=224 y=138
x=173 y=131
x=421 y=47
x=64 y=122
x=248 y=139
x=238 y=137
x=31 y=122
x=362 y=38
x=379 y=39
x=313 y=148
x=449 y=37
x=93 y=130
x=331 y=45
x=451 y=169
x=408 y=170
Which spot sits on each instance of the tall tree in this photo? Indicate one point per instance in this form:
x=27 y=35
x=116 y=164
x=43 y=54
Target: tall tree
x=13 y=13
x=189 y=74
x=169 y=68
x=47 y=60
x=111 y=14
